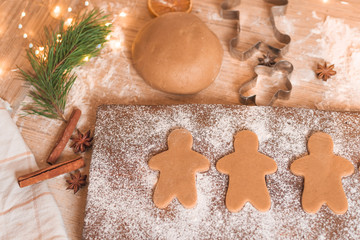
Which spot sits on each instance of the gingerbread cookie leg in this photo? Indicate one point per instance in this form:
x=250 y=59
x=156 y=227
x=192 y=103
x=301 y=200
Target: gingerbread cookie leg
x=311 y=202
x=235 y=197
x=162 y=195
x=338 y=203
x=188 y=198
x=261 y=200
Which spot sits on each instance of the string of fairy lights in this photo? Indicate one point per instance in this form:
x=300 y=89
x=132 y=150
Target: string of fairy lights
x=56 y=12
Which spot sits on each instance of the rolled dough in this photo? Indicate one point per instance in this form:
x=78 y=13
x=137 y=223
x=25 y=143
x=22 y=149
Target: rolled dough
x=177 y=53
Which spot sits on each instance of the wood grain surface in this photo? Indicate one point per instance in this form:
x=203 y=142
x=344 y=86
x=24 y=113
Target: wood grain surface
x=40 y=134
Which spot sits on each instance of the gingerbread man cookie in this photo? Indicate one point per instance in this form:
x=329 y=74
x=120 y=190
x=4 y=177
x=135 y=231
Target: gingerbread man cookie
x=247 y=168
x=178 y=167
x=322 y=172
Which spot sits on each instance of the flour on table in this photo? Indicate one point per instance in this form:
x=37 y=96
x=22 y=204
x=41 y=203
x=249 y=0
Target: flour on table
x=214 y=16
x=120 y=205
x=339 y=44
x=315 y=16
x=285 y=24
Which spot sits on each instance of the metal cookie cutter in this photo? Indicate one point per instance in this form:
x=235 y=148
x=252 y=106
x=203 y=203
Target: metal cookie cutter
x=278 y=9
x=282 y=69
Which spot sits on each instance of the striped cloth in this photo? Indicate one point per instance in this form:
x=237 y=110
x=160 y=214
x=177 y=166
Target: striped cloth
x=25 y=213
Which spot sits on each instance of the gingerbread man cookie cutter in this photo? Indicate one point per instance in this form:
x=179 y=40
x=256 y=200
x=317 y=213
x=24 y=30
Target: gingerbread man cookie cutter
x=279 y=9
x=282 y=68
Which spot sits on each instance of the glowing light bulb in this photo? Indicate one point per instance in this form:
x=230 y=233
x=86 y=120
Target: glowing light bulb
x=68 y=21
x=118 y=44
x=86 y=59
x=58 y=38
x=25 y=35
x=37 y=52
x=23 y=14
x=86 y=3
x=31 y=45
x=107 y=24
x=122 y=14
x=69 y=9
x=108 y=37
x=41 y=48
x=57 y=10
x=20 y=26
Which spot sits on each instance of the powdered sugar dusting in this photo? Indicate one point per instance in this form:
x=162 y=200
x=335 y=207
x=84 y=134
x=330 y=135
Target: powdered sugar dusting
x=339 y=44
x=121 y=183
x=285 y=24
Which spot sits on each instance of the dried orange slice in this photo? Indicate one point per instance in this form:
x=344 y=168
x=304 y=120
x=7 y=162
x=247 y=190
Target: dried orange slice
x=160 y=7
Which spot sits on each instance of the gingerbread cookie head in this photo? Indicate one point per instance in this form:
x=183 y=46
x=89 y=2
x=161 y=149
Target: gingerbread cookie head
x=180 y=138
x=246 y=141
x=320 y=143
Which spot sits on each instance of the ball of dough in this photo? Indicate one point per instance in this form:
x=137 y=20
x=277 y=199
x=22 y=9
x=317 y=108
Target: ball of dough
x=177 y=53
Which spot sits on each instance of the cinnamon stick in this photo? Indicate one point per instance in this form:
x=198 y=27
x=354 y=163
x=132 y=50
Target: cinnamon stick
x=50 y=172
x=64 y=137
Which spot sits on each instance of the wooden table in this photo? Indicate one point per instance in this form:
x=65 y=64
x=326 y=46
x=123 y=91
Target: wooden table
x=111 y=78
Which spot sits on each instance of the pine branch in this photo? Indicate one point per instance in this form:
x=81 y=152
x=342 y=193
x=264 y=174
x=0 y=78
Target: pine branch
x=51 y=78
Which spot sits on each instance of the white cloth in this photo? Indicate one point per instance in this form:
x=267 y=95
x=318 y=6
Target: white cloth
x=30 y=212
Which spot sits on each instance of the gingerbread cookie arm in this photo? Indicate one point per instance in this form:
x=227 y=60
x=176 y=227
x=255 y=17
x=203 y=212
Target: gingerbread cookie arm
x=156 y=161
x=201 y=162
x=269 y=164
x=298 y=166
x=345 y=166
x=224 y=164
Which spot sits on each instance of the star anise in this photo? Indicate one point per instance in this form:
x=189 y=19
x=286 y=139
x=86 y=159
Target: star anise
x=76 y=181
x=267 y=60
x=81 y=142
x=324 y=72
